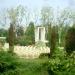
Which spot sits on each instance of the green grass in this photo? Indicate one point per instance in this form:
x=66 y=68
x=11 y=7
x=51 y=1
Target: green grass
x=32 y=67
x=12 y=65
x=28 y=67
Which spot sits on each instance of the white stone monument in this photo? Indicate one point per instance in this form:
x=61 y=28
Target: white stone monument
x=40 y=35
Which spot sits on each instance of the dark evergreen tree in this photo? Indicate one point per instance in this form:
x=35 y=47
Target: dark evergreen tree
x=11 y=38
x=30 y=33
x=52 y=38
x=70 y=40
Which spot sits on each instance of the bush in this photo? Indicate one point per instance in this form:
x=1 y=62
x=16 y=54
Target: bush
x=58 y=65
x=7 y=62
x=23 y=41
x=44 y=55
x=70 y=41
x=61 y=64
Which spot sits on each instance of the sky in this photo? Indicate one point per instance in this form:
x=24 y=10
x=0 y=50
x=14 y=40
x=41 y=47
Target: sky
x=37 y=4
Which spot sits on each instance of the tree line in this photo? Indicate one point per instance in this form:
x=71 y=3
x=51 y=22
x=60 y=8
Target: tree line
x=58 y=30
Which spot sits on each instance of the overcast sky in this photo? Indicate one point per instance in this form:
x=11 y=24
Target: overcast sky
x=33 y=4
x=37 y=4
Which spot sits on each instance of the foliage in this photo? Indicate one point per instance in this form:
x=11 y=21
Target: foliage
x=44 y=55
x=61 y=64
x=46 y=15
x=70 y=40
x=2 y=41
x=3 y=33
x=27 y=37
x=12 y=65
x=7 y=62
x=23 y=41
x=19 y=31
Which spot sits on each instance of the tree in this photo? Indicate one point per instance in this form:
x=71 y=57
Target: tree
x=20 y=31
x=70 y=40
x=28 y=38
x=30 y=33
x=12 y=13
x=64 y=20
x=3 y=32
x=46 y=15
x=3 y=19
x=11 y=38
x=16 y=17
x=21 y=12
x=52 y=38
x=36 y=17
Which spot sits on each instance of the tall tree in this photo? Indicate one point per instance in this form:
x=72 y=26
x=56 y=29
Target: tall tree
x=70 y=40
x=52 y=38
x=30 y=33
x=14 y=14
x=11 y=38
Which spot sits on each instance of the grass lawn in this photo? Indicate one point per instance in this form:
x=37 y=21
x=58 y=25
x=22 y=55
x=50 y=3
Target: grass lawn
x=12 y=65
x=32 y=67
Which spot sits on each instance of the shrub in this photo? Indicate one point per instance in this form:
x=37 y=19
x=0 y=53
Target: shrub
x=61 y=64
x=23 y=41
x=7 y=62
x=44 y=55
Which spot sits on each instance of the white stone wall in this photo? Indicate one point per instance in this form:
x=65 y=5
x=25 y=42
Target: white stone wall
x=28 y=51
